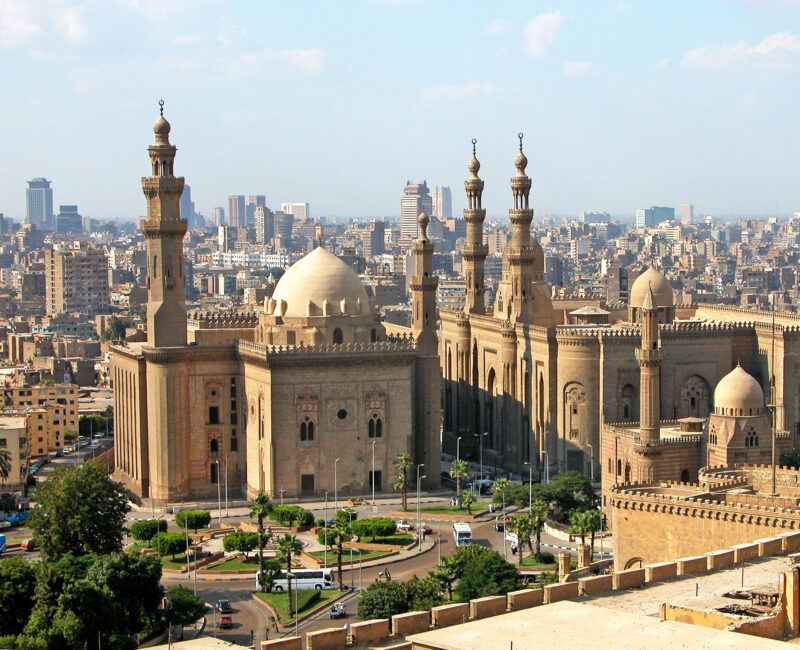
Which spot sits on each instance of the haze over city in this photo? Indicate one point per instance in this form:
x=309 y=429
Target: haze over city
x=623 y=104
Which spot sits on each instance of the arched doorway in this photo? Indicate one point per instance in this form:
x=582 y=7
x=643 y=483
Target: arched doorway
x=634 y=563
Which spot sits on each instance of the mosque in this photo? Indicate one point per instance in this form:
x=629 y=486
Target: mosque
x=309 y=396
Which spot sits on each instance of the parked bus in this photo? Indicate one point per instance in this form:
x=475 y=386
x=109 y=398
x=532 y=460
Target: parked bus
x=462 y=534
x=303 y=579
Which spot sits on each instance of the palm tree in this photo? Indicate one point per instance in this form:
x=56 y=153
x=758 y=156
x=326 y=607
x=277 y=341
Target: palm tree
x=5 y=463
x=458 y=470
x=594 y=522
x=538 y=513
x=288 y=546
x=336 y=537
x=580 y=524
x=401 y=465
x=467 y=499
x=521 y=526
x=260 y=508
x=500 y=487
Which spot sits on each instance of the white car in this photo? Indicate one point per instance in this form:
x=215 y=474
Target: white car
x=403 y=525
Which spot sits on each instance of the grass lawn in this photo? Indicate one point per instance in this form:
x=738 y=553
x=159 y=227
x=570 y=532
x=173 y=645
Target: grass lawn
x=531 y=563
x=319 y=556
x=14 y=540
x=237 y=563
x=178 y=563
x=278 y=602
x=454 y=510
x=136 y=547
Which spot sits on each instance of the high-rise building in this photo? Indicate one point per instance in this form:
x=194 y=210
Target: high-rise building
x=68 y=219
x=687 y=213
x=76 y=279
x=237 y=215
x=653 y=216
x=187 y=205
x=39 y=203
x=415 y=200
x=254 y=201
x=264 y=224
x=299 y=211
x=217 y=216
x=442 y=202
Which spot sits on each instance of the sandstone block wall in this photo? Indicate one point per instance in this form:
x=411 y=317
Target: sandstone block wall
x=629 y=578
x=447 y=615
x=742 y=552
x=411 y=623
x=524 y=598
x=770 y=546
x=660 y=571
x=720 y=559
x=595 y=585
x=330 y=639
x=368 y=631
x=287 y=643
x=488 y=606
x=790 y=541
x=695 y=564
x=562 y=591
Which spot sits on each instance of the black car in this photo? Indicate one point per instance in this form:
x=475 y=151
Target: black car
x=224 y=607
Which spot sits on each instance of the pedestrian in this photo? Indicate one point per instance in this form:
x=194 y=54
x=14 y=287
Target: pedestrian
x=491 y=508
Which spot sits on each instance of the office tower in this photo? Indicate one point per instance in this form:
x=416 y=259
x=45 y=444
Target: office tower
x=264 y=224
x=217 y=216
x=187 y=205
x=415 y=200
x=68 y=219
x=39 y=201
x=237 y=216
x=442 y=202
x=687 y=213
x=226 y=236
x=594 y=217
x=377 y=238
x=299 y=211
x=283 y=224
x=76 y=280
x=254 y=201
x=653 y=216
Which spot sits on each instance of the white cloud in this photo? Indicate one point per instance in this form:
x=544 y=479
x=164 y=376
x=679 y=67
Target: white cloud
x=452 y=92
x=778 y=50
x=541 y=32
x=574 y=69
x=498 y=26
x=187 y=40
x=73 y=27
x=229 y=33
x=16 y=22
x=661 y=64
x=307 y=61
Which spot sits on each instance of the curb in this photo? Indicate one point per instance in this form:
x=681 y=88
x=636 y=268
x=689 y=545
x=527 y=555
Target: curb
x=310 y=614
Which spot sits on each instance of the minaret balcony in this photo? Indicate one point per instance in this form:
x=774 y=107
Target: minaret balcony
x=649 y=357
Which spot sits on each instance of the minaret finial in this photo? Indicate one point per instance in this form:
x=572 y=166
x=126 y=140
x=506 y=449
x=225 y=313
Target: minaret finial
x=161 y=107
x=519 y=135
x=474 y=142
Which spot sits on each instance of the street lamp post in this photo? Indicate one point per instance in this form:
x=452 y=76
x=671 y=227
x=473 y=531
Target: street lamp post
x=291 y=575
x=419 y=522
x=591 y=462
x=546 y=468
x=335 y=486
x=226 y=486
x=349 y=525
x=505 y=553
x=530 y=487
x=373 y=472
x=326 y=529
x=458 y=448
x=219 y=495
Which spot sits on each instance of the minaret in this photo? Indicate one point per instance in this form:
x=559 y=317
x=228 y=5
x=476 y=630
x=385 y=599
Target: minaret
x=514 y=300
x=474 y=251
x=649 y=356
x=164 y=231
x=423 y=291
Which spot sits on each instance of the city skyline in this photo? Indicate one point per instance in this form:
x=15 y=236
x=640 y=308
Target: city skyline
x=708 y=97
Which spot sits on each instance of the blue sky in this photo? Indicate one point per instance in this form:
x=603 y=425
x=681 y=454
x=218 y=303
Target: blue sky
x=623 y=103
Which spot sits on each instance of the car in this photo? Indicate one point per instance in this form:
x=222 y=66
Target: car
x=404 y=525
x=224 y=607
x=425 y=529
x=225 y=622
x=500 y=524
x=28 y=545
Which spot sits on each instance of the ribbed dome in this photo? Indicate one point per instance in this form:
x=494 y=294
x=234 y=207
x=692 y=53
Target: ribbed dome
x=662 y=289
x=318 y=277
x=738 y=390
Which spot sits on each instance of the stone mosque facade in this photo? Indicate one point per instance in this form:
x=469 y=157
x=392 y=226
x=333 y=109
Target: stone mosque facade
x=294 y=400
x=531 y=391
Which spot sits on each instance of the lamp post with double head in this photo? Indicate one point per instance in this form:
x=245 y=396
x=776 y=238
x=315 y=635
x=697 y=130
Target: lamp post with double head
x=335 y=487
x=530 y=487
x=373 y=472
x=591 y=462
x=219 y=495
x=419 y=512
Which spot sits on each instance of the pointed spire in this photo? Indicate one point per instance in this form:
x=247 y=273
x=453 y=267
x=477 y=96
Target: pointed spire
x=649 y=301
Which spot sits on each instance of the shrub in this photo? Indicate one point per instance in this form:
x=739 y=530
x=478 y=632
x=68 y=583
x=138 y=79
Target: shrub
x=374 y=527
x=291 y=515
x=241 y=541
x=488 y=574
x=346 y=516
x=168 y=543
x=143 y=530
x=544 y=557
x=193 y=519
x=319 y=523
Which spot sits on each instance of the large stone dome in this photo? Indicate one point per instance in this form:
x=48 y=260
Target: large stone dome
x=319 y=284
x=662 y=289
x=738 y=393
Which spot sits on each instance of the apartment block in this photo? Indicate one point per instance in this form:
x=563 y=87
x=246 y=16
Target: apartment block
x=50 y=410
x=13 y=439
x=76 y=280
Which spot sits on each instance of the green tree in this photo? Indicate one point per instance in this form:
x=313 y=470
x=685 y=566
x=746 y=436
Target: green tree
x=459 y=470
x=169 y=543
x=791 y=459
x=270 y=568
x=70 y=436
x=500 y=491
x=594 y=523
x=423 y=594
x=193 y=519
x=538 y=513
x=521 y=526
x=242 y=541
x=467 y=499
x=336 y=537
x=114 y=330
x=291 y=515
x=488 y=574
x=382 y=600
x=452 y=566
x=580 y=524
x=5 y=464
x=144 y=529
x=88 y=425
x=17 y=587
x=401 y=466
x=261 y=508
x=183 y=607
x=374 y=527
x=345 y=517
x=79 y=510
x=288 y=547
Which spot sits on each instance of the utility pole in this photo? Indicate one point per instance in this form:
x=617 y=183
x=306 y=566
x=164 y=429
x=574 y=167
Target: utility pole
x=774 y=404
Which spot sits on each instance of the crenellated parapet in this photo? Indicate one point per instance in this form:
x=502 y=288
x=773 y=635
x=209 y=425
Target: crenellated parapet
x=390 y=347
x=222 y=320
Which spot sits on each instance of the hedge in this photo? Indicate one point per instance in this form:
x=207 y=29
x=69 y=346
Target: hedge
x=193 y=519
x=292 y=516
x=144 y=529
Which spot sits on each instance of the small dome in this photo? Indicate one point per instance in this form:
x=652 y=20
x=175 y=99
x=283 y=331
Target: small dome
x=474 y=166
x=662 y=289
x=317 y=278
x=161 y=127
x=520 y=162
x=739 y=391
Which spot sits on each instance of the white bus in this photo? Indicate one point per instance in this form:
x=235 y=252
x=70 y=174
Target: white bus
x=303 y=579
x=462 y=534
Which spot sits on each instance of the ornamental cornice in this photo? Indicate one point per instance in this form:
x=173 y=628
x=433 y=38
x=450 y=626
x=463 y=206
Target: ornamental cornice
x=191 y=353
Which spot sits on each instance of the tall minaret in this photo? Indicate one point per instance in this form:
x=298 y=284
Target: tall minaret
x=474 y=251
x=423 y=290
x=514 y=301
x=164 y=231
x=649 y=356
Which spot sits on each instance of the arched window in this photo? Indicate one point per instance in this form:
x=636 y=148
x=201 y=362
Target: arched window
x=306 y=429
x=337 y=335
x=619 y=467
x=310 y=430
x=627 y=472
x=214 y=445
x=626 y=412
x=375 y=426
x=685 y=476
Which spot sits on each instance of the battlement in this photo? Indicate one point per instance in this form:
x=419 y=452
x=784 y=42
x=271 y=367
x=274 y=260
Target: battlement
x=222 y=320
x=399 y=344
